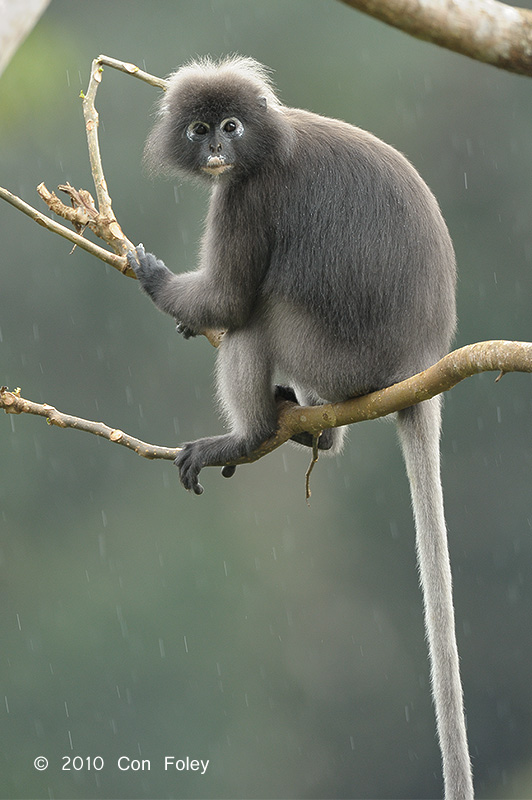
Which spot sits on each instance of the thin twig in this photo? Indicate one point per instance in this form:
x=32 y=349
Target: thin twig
x=313 y=461
x=13 y=403
x=119 y=242
x=132 y=69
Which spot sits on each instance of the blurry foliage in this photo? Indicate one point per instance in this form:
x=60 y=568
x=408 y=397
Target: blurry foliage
x=30 y=100
x=283 y=643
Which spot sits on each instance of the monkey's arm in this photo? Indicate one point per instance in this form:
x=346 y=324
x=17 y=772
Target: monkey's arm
x=158 y=282
x=195 y=299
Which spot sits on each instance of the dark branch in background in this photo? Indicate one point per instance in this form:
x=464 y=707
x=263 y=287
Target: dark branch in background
x=485 y=30
x=442 y=376
x=17 y=21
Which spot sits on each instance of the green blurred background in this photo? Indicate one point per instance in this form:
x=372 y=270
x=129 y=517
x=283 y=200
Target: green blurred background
x=283 y=643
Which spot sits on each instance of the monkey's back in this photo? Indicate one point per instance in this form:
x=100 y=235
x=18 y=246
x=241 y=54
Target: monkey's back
x=360 y=251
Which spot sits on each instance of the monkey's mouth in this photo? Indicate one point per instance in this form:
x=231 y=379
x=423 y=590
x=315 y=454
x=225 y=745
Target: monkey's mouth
x=216 y=165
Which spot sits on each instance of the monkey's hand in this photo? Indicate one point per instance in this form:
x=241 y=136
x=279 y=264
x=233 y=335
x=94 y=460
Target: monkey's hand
x=151 y=272
x=184 y=330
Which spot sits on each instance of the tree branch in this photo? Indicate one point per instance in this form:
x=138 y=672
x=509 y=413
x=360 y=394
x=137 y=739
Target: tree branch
x=485 y=30
x=51 y=225
x=111 y=229
x=13 y=403
x=463 y=363
x=82 y=212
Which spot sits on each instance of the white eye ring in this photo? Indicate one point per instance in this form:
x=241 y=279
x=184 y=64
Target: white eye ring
x=197 y=130
x=235 y=127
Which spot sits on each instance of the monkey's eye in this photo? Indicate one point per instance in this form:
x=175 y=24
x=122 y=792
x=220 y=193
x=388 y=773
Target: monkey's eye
x=196 y=130
x=232 y=126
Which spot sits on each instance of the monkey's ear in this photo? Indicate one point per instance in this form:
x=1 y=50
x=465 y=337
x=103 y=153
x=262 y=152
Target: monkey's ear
x=263 y=102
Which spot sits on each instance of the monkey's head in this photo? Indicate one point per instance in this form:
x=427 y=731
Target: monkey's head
x=217 y=119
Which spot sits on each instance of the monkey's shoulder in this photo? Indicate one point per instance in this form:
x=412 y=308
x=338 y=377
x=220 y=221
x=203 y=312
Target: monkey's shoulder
x=335 y=143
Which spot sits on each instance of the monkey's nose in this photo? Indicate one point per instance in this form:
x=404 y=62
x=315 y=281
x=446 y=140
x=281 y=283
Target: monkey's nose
x=216 y=148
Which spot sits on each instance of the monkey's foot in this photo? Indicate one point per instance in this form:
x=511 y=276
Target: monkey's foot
x=185 y=331
x=285 y=393
x=212 y=451
x=326 y=439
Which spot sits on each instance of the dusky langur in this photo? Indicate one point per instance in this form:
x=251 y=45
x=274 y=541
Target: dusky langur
x=326 y=259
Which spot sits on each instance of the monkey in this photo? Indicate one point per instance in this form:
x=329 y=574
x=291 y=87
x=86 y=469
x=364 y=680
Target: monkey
x=327 y=261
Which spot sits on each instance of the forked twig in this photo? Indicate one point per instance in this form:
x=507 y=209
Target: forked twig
x=55 y=227
x=84 y=212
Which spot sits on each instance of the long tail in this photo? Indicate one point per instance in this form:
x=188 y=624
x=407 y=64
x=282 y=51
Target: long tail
x=419 y=430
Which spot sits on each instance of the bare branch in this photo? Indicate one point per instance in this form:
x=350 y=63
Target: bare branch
x=119 y=242
x=13 y=403
x=502 y=356
x=485 y=30
x=92 y=120
x=131 y=69
x=104 y=255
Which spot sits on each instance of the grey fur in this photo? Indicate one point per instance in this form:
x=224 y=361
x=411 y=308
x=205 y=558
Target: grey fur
x=326 y=258
x=419 y=431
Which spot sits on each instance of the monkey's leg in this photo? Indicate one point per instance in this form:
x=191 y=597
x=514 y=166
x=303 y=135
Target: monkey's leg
x=330 y=439
x=244 y=389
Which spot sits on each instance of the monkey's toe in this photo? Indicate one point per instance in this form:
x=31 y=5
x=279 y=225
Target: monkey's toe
x=189 y=467
x=284 y=393
x=184 y=330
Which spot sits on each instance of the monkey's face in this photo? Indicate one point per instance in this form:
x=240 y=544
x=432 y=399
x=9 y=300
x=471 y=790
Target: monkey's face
x=219 y=121
x=215 y=128
x=215 y=144
x=218 y=133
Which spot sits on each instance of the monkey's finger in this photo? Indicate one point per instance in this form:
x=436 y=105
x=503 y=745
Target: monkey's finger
x=132 y=259
x=134 y=256
x=229 y=470
x=184 y=330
